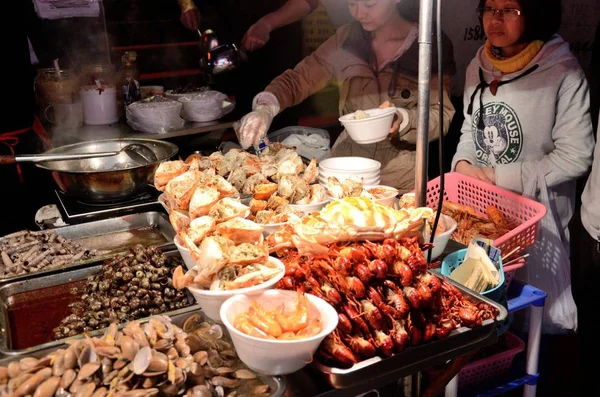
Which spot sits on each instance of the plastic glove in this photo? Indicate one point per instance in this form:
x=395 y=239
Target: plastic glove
x=253 y=126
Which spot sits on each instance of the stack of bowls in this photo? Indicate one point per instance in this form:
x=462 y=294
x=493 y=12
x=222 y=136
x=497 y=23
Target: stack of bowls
x=346 y=167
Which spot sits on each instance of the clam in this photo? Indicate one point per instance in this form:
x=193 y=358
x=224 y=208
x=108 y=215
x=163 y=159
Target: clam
x=245 y=374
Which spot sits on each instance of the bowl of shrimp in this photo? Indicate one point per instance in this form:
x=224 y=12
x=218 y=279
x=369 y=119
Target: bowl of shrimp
x=277 y=332
x=210 y=301
x=381 y=194
x=372 y=125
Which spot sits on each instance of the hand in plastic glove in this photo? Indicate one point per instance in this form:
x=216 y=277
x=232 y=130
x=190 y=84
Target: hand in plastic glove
x=466 y=168
x=191 y=19
x=257 y=36
x=397 y=118
x=253 y=126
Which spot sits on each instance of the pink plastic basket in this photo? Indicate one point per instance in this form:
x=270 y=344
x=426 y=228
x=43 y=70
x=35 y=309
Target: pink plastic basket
x=525 y=212
x=492 y=366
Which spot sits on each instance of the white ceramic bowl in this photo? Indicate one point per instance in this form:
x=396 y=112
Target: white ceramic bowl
x=189 y=262
x=350 y=164
x=304 y=209
x=388 y=197
x=211 y=301
x=374 y=128
x=441 y=240
x=271 y=356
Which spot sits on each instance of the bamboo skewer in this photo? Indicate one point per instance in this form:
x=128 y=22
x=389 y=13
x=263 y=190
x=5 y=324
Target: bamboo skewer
x=514 y=260
x=505 y=257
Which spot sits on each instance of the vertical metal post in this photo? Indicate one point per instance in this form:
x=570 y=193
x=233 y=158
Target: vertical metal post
x=424 y=84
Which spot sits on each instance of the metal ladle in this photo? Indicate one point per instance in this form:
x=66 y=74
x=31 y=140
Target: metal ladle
x=139 y=153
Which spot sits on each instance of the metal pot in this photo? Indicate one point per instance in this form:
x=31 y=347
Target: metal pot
x=224 y=58
x=104 y=179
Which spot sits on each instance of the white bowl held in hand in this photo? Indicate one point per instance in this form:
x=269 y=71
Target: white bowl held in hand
x=272 y=356
x=372 y=125
x=185 y=253
x=211 y=301
x=441 y=239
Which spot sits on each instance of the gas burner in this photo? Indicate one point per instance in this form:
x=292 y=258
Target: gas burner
x=142 y=197
x=74 y=210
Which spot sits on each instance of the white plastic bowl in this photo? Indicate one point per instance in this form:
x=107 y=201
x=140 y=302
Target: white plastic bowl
x=389 y=196
x=271 y=356
x=349 y=164
x=189 y=262
x=374 y=128
x=210 y=301
x=366 y=181
x=345 y=175
x=441 y=240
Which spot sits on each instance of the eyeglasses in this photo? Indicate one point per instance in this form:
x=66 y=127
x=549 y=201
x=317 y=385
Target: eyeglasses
x=507 y=14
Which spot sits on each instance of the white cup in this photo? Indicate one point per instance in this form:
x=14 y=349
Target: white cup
x=68 y=115
x=99 y=108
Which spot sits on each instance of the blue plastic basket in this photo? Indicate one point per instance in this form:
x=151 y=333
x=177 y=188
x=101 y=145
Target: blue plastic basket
x=453 y=260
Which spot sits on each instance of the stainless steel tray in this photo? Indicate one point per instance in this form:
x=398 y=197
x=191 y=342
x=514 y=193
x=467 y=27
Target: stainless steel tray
x=276 y=383
x=114 y=235
x=416 y=358
x=8 y=294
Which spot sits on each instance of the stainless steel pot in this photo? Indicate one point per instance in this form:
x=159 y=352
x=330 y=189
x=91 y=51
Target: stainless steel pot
x=104 y=179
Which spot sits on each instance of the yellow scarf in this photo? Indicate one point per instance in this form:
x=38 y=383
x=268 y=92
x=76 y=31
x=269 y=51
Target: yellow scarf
x=517 y=62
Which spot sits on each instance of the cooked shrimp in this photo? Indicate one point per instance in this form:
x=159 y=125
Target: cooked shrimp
x=242 y=323
x=313 y=328
x=298 y=319
x=262 y=320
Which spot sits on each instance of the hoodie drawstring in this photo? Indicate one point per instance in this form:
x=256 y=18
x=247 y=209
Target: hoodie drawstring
x=481 y=88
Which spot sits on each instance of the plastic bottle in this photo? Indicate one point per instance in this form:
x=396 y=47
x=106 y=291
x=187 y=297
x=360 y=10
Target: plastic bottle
x=129 y=86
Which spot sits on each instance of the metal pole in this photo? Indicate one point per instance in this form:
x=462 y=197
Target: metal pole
x=425 y=23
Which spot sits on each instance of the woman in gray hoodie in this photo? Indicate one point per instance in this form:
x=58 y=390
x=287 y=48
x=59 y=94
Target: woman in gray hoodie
x=527 y=126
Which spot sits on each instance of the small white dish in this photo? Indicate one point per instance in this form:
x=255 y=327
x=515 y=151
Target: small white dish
x=272 y=356
x=211 y=301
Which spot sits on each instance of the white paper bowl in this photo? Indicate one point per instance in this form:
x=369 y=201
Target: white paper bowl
x=441 y=240
x=185 y=254
x=374 y=128
x=349 y=164
x=277 y=357
x=203 y=109
x=211 y=301
x=389 y=196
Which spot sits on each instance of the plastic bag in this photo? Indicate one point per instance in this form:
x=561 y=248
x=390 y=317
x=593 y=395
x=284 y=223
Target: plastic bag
x=309 y=142
x=156 y=115
x=548 y=266
x=205 y=106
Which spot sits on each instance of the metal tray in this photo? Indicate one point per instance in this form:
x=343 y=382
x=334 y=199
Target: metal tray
x=276 y=383
x=114 y=235
x=37 y=285
x=386 y=370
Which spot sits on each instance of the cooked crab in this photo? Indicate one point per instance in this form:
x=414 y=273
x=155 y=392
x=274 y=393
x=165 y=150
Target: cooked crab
x=200 y=227
x=240 y=230
x=203 y=199
x=181 y=188
x=166 y=171
x=228 y=208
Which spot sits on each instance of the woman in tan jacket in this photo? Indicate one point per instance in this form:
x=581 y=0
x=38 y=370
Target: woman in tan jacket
x=373 y=60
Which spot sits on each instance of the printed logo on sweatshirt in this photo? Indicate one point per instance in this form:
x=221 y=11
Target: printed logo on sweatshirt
x=501 y=139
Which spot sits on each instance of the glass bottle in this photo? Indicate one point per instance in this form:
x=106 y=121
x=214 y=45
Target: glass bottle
x=128 y=85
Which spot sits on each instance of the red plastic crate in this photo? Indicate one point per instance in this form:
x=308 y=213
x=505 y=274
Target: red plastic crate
x=484 y=369
x=524 y=212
